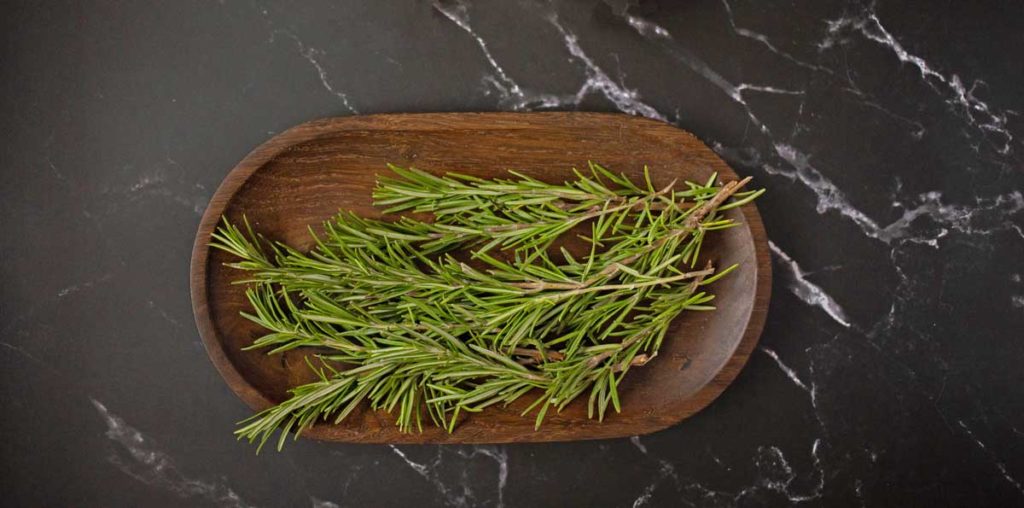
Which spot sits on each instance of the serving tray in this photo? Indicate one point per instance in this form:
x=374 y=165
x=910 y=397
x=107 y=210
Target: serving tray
x=308 y=173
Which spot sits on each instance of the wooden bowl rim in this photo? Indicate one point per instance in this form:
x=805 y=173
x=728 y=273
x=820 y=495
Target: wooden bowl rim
x=311 y=130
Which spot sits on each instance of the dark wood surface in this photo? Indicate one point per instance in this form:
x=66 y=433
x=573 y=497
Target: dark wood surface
x=306 y=174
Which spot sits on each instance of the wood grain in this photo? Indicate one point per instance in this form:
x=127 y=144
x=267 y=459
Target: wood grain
x=306 y=174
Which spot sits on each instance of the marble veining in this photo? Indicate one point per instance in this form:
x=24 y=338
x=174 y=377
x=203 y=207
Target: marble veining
x=807 y=291
x=624 y=99
x=995 y=461
x=458 y=13
x=312 y=55
x=452 y=497
x=75 y=288
x=500 y=457
x=22 y=352
x=829 y=196
x=766 y=42
x=162 y=181
x=320 y=503
x=975 y=111
x=596 y=81
x=889 y=137
x=772 y=472
x=139 y=459
x=790 y=373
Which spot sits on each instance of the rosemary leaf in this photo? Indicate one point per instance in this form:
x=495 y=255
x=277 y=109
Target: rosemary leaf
x=477 y=307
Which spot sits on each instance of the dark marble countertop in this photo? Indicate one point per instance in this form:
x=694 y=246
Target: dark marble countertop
x=890 y=137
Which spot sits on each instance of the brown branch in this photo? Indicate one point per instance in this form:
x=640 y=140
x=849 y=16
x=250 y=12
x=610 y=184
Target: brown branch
x=638 y=361
x=541 y=285
x=700 y=274
x=689 y=225
x=598 y=358
x=537 y=355
x=727 y=190
x=592 y=212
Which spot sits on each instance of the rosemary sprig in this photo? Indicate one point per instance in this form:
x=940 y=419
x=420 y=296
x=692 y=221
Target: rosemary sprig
x=405 y=323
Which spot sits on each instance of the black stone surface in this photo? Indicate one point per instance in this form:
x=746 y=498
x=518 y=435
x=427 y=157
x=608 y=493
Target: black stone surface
x=889 y=136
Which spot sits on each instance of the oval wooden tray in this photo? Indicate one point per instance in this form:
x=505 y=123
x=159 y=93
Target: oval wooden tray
x=306 y=174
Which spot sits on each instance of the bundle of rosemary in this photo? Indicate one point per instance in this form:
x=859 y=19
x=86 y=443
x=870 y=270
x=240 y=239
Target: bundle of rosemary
x=478 y=307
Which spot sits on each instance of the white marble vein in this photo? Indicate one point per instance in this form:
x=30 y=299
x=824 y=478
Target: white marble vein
x=665 y=470
x=995 y=460
x=639 y=446
x=707 y=73
x=686 y=57
x=596 y=80
x=645 y=496
x=967 y=219
x=429 y=473
x=807 y=291
x=499 y=455
x=458 y=13
x=155 y=182
x=22 y=351
x=13 y=322
x=711 y=497
x=764 y=41
x=829 y=197
x=977 y=113
x=774 y=473
x=986 y=215
x=810 y=387
x=320 y=503
x=75 y=288
x=790 y=373
x=772 y=461
x=513 y=96
x=918 y=131
x=142 y=461
x=163 y=313
x=646 y=28
x=858 y=490
x=421 y=469
x=56 y=172
x=351 y=476
x=312 y=55
x=146 y=181
x=625 y=99
x=742 y=87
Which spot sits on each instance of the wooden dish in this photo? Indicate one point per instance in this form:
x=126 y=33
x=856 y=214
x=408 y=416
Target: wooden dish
x=308 y=173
